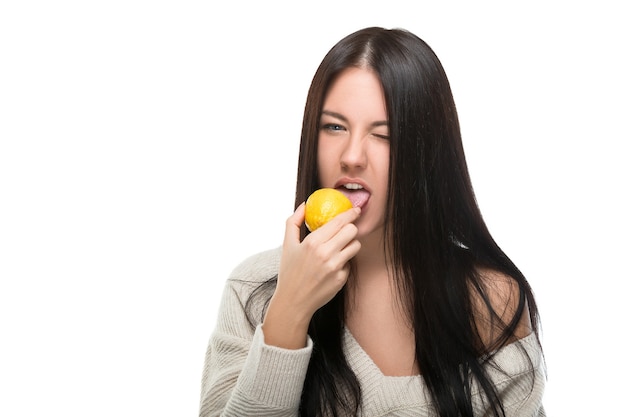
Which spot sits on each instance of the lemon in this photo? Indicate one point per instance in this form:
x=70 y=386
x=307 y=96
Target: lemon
x=322 y=205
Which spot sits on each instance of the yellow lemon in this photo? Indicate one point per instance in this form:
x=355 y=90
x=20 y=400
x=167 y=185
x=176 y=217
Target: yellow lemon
x=322 y=205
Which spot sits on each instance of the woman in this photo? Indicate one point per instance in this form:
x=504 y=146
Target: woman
x=403 y=305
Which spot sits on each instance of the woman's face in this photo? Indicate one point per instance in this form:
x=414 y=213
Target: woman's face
x=353 y=147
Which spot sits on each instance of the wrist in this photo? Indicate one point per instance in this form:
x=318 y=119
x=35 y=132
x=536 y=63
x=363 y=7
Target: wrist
x=285 y=327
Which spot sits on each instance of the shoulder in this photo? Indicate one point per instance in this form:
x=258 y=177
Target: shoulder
x=518 y=371
x=238 y=303
x=500 y=310
x=257 y=268
x=252 y=275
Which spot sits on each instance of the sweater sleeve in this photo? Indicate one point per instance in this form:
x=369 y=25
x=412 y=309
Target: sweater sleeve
x=242 y=375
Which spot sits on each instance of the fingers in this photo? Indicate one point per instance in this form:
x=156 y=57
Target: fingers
x=296 y=221
x=337 y=224
x=335 y=243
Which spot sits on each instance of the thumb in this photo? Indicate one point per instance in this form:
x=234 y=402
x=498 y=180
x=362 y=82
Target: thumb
x=294 y=224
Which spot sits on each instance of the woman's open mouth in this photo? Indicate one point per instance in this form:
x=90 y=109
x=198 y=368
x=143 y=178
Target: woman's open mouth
x=356 y=193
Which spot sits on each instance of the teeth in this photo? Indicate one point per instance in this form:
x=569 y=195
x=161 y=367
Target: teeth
x=352 y=186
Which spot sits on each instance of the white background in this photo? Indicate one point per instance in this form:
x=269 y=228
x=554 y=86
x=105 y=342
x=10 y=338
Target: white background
x=147 y=147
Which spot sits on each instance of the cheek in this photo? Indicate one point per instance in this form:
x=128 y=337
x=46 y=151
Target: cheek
x=382 y=174
x=326 y=156
x=382 y=164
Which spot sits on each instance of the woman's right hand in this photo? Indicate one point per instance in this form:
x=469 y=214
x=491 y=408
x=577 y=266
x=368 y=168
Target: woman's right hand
x=312 y=272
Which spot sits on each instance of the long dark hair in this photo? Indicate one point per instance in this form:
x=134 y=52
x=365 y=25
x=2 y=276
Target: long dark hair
x=437 y=238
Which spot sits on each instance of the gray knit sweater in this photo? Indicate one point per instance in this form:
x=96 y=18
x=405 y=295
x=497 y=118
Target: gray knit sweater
x=245 y=377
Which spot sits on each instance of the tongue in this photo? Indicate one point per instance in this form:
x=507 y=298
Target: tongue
x=357 y=197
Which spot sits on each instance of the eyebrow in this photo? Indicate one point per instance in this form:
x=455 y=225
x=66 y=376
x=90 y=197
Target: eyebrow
x=343 y=118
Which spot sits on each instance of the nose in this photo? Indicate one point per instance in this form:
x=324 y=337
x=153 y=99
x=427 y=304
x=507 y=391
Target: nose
x=354 y=154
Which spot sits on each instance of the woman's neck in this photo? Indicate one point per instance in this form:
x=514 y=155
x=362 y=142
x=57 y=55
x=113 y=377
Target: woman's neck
x=370 y=272
x=372 y=277
x=372 y=258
